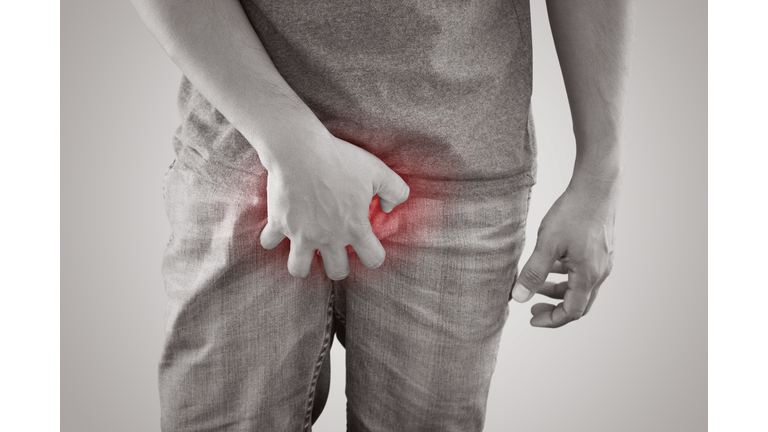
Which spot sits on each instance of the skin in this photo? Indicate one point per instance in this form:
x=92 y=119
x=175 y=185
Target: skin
x=319 y=187
x=593 y=39
x=326 y=207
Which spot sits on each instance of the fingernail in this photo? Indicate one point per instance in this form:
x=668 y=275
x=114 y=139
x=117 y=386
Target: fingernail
x=520 y=293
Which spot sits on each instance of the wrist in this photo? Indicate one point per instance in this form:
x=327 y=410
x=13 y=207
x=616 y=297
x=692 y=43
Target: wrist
x=286 y=136
x=599 y=162
x=597 y=183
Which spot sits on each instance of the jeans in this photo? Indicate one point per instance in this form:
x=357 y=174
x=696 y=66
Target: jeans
x=247 y=345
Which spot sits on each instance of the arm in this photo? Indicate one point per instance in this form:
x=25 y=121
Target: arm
x=215 y=46
x=593 y=41
x=319 y=188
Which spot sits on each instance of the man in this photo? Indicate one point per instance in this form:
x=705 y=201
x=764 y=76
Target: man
x=294 y=116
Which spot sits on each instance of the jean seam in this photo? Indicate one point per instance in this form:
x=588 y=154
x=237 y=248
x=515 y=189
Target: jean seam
x=319 y=364
x=340 y=318
x=165 y=193
x=527 y=208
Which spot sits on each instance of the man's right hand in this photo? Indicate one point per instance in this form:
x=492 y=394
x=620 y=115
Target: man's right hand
x=319 y=188
x=319 y=198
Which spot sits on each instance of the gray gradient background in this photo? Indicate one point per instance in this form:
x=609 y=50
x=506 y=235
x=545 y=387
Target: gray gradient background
x=638 y=362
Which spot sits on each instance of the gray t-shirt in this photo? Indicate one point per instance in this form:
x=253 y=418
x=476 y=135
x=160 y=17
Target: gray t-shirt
x=439 y=90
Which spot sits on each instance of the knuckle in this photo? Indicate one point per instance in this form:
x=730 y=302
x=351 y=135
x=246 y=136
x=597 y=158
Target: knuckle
x=573 y=316
x=609 y=267
x=360 y=229
x=592 y=273
x=274 y=224
x=593 y=268
x=533 y=276
x=324 y=237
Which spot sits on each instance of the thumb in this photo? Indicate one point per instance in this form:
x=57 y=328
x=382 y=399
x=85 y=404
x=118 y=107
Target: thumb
x=534 y=273
x=392 y=190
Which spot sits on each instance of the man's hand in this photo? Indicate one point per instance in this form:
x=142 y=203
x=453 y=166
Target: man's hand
x=319 y=188
x=575 y=238
x=593 y=39
x=320 y=199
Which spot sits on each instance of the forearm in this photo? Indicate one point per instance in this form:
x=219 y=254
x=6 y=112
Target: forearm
x=593 y=40
x=216 y=48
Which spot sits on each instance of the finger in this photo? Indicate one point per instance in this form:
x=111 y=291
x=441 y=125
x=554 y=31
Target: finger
x=575 y=301
x=548 y=316
x=534 y=273
x=336 y=262
x=391 y=189
x=559 y=268
x=570 y=309
x=555 y=290
x=369 y=250
x=582 y=279
x=592 y=298
x=300 y=260
x=542 y=308
x=595 y=290
x=270 y=236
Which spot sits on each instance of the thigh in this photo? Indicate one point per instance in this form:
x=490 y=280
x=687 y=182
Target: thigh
x=422 y=331
x=244 y=339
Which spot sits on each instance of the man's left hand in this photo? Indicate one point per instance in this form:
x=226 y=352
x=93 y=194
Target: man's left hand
x=575 y=238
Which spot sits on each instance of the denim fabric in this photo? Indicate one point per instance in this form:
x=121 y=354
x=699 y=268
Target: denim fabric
x=246 y=341
x=422 y=331
x=440 y=92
